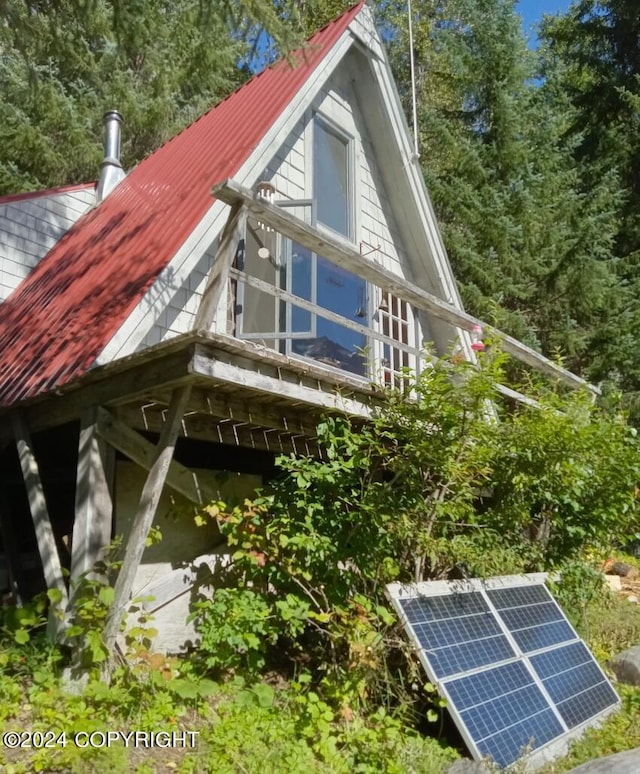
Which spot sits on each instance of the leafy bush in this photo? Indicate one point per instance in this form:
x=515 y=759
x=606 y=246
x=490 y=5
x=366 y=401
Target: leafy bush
x=444 y=482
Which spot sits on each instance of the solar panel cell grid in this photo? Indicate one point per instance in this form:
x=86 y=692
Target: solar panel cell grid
x=471 y=690
x=578 y=709
x=544 y=636
x=560 y=659
x=531 y=615
x=508 y=745
x=517 y=596
x=494 y=716
x=573 y=681
x=453 y=631
x=452 y=660
x=420 y=609
x=477 y=645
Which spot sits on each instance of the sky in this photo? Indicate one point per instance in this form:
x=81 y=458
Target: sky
x=533 y=10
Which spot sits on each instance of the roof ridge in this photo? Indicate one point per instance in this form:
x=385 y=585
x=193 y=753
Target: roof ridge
x=280 y=61
x=42 y=192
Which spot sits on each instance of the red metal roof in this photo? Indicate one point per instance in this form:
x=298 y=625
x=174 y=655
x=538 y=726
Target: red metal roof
x=60 y=318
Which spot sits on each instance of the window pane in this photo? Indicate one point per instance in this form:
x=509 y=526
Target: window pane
x=341 y=292
x=301 y=268
x=259 y=310
x=331 y=178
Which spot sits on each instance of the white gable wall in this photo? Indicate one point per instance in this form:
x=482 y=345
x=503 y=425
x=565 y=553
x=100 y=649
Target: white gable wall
x=30 y=227
x=290 y=171
x=410 y=243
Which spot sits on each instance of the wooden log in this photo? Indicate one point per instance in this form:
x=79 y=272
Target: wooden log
x=94 y=498
x=126 y=440
x=47 y=547
x=340 y=251
x=145 y=514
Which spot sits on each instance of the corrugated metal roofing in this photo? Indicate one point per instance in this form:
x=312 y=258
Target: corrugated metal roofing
x=60 y=318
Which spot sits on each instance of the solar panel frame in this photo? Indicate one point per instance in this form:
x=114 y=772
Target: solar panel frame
x=538 y=640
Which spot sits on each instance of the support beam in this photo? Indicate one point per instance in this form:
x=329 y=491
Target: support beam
x=94 y=498
x=145 y=514
x=134 y=377
x=340 y=251
x=42 y=523
x=205 y=427
x=231 y=236
x=126 y=440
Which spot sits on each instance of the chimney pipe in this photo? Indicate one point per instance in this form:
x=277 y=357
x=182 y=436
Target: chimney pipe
x=111 y=172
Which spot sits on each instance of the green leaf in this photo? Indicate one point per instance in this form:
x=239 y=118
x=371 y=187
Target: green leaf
x=21 y=636
x=265 y=694
x=107 y=595
x=55 y=596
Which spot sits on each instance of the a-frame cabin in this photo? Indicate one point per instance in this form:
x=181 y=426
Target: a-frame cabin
x=277 y=260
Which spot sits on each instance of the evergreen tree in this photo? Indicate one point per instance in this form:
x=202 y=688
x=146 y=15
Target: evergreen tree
x=592 y=53
x=62 y=63
x=530 y=248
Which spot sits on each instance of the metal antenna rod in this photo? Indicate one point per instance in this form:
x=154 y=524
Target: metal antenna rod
x=416 y=151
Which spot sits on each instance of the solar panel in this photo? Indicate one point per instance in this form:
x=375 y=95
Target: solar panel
x=517 y=678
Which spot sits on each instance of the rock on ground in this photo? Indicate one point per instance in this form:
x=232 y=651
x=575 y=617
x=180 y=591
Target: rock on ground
x=622 y=763
x=626 y=667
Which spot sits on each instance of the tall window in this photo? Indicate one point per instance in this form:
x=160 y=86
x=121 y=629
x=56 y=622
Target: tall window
x=332 y=189
x=312 y=308
x=282 y=300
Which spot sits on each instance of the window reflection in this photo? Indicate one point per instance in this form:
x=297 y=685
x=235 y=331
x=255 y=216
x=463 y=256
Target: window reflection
x=331 y=188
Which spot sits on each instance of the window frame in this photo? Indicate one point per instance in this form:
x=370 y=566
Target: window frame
x=332 y=127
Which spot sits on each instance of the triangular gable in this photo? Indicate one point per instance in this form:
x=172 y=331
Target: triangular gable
x=73 y=303
x=168 y=308
x=101 y=289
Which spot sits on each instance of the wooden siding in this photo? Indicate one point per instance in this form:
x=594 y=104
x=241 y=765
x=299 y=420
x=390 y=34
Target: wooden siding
x=30 y=227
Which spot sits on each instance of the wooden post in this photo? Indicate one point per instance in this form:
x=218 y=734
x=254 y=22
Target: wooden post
x=145 y=514
x=44 y=533
x=232 y=234
x=139 y=450
x=94 y=498
x=152 y=489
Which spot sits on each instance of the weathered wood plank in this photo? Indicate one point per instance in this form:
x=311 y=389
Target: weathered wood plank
x=47 y=547
x=126 y=440
x=219 y=274
x=94 y=498
x=252 y=412
x=205 y=365
x=341 y=252
x=145 y=514
x=111 y=384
